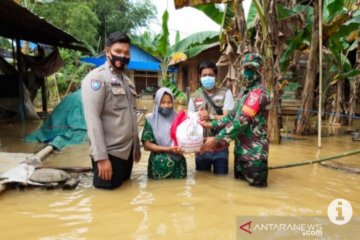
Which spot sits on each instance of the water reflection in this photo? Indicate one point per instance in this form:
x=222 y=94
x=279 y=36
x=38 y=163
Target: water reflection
x=202 y=206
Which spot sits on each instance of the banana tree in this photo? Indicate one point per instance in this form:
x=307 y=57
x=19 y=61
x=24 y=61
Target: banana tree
x=159 y=46
x=184 y=3
x=343 y=70
x=354 y=83
x=340 y=18
x=234 y=38
x=237 y=33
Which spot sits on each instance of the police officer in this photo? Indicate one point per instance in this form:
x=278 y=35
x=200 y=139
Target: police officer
x=247 y=125
x=211 y=102
x=108 y=97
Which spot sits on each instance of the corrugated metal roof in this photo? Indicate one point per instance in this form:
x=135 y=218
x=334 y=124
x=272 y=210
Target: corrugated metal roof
x=17 y=22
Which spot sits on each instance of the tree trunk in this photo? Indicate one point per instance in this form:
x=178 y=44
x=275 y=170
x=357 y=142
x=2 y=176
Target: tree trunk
x=245 y=43
x=354 y=88
x=304 y=121
x=164 y=69
x=271 y=42
x=339 y=99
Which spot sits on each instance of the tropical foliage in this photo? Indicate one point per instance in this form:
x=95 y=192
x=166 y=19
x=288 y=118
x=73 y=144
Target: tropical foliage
x=172 y=54
x=340 y=20
x=92 y=20
x=281 y=29
x=89 y=21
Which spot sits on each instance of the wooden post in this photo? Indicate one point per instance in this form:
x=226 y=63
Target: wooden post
x=35 y=159
x=43 y=95
x=20 y=81
x=187 y=96
x=2 y=187
x=320 y=74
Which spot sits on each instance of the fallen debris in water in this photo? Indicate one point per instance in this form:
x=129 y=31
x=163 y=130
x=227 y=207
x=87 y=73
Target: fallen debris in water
x=356 y=135
x=70 y=169
x=49 y=175
x=341 y=167
x=71 y=184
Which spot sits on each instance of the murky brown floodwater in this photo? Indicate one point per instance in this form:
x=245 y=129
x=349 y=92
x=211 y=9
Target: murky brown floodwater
x=203 y=206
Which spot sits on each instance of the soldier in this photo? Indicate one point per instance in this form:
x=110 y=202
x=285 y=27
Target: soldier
x=246 y=124
x=109 y=102
x=212 y=102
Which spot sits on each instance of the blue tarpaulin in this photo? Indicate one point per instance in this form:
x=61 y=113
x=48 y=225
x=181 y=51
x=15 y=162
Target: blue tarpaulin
x=140 y=61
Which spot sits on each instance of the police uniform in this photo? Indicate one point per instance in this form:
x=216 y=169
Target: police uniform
x=218 y=158
x=110 y=111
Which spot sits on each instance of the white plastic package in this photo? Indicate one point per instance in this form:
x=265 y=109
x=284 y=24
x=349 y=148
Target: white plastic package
x=189 y=134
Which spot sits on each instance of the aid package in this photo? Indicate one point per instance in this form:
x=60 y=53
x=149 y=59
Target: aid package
x=186 y=132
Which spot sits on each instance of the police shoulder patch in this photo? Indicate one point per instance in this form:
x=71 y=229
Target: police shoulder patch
x=95 y=84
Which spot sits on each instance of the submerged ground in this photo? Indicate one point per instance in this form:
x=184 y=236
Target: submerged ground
x=202 y=206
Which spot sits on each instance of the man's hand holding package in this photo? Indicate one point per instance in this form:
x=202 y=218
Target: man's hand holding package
x=209 y=145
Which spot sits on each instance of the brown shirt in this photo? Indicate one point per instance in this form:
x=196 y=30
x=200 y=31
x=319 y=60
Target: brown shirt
x=110 y=113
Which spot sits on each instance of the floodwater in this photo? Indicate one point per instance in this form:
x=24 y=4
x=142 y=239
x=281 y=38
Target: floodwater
x=202 y=206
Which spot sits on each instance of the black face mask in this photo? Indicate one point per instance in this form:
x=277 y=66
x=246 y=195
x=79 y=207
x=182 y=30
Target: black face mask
x=123 y=60
x=165 y=111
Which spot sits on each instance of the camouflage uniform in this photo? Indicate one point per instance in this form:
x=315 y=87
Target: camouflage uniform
x=246 y=124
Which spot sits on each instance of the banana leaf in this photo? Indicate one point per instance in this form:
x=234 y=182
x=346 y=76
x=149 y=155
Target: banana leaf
x=351 y=74
x=250 y=20
x=331 y=9
x=213 y=12
x=196 y=39
x=293 y=44
x=178 y=94
x=192 y=3
x=191 y=52
x=163 y=44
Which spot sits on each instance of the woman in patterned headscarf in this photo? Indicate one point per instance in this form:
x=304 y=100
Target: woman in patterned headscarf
x=165 y=161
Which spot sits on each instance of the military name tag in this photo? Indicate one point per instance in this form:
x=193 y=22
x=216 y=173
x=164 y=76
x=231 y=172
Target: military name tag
x=117 y=90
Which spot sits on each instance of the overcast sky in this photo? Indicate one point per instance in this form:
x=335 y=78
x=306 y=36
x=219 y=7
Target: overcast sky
x=186 y=20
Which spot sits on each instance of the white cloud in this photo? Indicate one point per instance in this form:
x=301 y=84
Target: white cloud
x=186 y=20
